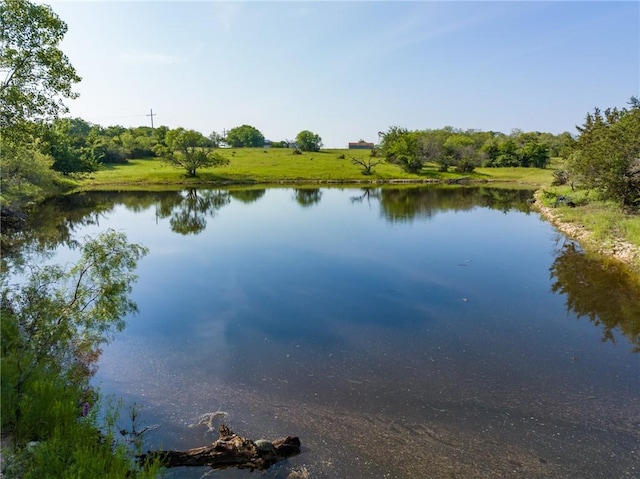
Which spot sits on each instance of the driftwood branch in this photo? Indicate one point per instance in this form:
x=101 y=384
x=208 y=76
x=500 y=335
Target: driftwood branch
x=229 y=450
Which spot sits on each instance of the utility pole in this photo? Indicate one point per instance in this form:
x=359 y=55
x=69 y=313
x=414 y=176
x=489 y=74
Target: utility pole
x=152 y=115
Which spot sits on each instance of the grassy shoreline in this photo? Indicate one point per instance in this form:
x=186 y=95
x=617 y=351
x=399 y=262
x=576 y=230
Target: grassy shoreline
x=599 y=227
x=280 y=166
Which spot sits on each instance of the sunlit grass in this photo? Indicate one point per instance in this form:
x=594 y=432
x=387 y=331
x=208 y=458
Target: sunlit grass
x=257 y=165
x=604 y=219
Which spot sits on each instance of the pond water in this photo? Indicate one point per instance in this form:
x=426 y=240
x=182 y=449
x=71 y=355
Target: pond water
x=431 y=332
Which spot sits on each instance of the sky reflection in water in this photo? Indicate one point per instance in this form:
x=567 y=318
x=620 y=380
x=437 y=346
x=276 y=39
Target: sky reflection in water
x=421 y=320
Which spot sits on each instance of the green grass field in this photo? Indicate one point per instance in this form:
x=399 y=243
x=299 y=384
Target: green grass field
x=257 y=165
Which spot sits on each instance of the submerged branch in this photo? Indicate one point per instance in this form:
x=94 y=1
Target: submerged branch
x=229 y=450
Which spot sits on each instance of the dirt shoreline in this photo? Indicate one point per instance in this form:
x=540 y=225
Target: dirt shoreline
x=620 y=250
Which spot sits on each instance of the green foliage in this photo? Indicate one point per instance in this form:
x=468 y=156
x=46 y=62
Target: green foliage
x=26 y=174
x=308 y=141
x=55 y=440
x=245 y=136
x=518 y=149
x=607 y=155
x=190 y=150
x=53 y=325
x=216 y=139
x=400 y=146
x=37 y=73
x=58 y=319
x=464 y=150
x=460 y=151
x=64 y=141
x=605 y=220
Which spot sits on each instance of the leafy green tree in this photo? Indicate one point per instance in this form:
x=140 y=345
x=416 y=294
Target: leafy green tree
x=37 y=75
x=26 y=176
x=534 y=153
x=308 y=141
x=58 y=319
x=507 y=154
x=159 y=134
x=431 y=147
x=400 y=146
x=461 y=152
x=190 y=150
x=65 y=140
x=607 y=155
x=216 y=139
x=245 y=136
x=53 y=325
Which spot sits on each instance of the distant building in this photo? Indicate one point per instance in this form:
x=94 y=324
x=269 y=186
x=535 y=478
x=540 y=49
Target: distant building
x=361 y=145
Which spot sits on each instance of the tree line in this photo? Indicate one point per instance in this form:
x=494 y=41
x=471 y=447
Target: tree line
x=77 y=146
x=464 y=150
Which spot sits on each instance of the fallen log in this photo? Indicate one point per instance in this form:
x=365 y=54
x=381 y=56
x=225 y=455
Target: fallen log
x=229 y=450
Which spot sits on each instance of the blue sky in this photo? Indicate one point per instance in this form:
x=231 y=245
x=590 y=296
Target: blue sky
x=347 y=70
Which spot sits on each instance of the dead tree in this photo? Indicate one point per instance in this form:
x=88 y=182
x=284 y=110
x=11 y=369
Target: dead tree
x=229 y=450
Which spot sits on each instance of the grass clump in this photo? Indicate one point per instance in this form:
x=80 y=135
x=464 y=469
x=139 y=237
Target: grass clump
x=604 y=219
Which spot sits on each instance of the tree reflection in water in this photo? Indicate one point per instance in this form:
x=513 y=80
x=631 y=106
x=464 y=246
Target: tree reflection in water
x=605 y=292
x=308 y=196
x=188 y=213
x=367 y=194
x=407 y=204
x=247 y=195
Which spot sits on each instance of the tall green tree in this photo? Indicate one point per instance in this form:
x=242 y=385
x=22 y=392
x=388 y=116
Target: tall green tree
x=461 y=152
x=190 y=150
x=400 y=146
x=216 y=139
x=308 y=141
x=65 y=140
x=37 y=75
x=245 y=136
x=607 y=154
